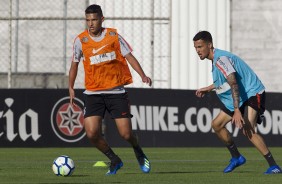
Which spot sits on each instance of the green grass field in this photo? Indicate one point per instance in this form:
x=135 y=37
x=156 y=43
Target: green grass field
x=169 y=165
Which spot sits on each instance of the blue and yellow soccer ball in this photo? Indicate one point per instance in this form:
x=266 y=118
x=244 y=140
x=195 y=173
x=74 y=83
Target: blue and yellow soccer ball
x=63 y=166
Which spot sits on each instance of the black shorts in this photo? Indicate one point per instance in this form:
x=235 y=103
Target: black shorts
x=256 y=102
x=116 y=104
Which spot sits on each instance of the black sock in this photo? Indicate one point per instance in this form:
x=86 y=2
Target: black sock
x=138 y=151
x=233 y=150
x=112 y=156
x=269 y=158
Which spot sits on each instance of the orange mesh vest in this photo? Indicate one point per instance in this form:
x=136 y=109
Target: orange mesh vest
x=104 y=65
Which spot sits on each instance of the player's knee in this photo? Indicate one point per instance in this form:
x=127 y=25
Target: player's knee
x=126 y=136
x=215 y=126
x=93 y=136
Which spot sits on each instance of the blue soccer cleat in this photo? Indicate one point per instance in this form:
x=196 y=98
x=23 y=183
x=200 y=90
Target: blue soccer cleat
x=114 y=167
x=234 y=162
x=273 y=170
x=144 y=164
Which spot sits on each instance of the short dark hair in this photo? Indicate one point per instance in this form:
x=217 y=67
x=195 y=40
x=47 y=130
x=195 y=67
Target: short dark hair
x=94 y=8
x=203 y=35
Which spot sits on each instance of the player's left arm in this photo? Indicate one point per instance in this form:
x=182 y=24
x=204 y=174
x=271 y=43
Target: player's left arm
x=224 y=64
x=237 y=117
x=137 y=67
x=126 y=52
x=231 y=80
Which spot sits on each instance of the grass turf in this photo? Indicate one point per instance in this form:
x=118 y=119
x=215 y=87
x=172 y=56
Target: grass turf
x=169 y=165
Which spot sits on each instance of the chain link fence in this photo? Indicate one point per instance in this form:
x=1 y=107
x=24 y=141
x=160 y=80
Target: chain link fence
x=37 y=37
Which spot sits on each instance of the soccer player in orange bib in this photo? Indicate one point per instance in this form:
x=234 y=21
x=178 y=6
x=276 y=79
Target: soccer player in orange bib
x=105 y=55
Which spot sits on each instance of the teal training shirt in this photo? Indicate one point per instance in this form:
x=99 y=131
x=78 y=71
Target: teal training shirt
x=225 y=63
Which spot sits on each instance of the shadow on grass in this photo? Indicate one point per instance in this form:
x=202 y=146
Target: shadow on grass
x=184 y=172
x=194 y=172
x=200 y=172
x=67 y=183
x=80 y=175
x=176 y=172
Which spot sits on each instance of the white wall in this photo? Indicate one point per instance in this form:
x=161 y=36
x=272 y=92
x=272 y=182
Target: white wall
x=249 y=28
x=257 y=38
x=189 y=17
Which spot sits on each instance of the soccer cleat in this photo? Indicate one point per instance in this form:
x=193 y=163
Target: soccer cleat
x=234 y=162
x=144 y=164
x=273 y=170
x=114 y=167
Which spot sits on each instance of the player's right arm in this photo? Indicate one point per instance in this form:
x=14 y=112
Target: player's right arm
x=72 y=77
x=202 y=91
x=77 y=57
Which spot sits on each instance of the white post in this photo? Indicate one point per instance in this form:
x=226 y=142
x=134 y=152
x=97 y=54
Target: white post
x=10 y=48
